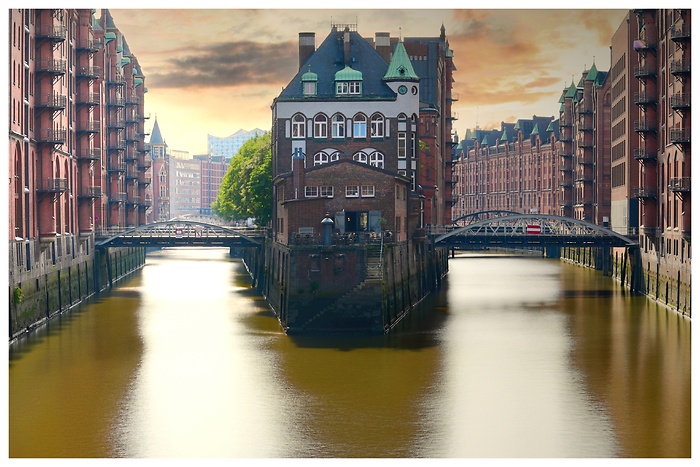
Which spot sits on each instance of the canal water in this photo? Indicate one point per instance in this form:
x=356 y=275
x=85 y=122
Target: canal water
x=515 y=357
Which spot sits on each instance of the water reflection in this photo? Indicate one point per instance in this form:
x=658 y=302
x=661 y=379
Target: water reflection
x=515 y=357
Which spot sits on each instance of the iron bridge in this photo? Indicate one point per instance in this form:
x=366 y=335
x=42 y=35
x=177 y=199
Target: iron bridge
x=175 y=233
x=528 y=231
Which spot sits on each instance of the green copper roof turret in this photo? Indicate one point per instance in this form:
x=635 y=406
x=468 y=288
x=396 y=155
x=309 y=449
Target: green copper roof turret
x=348 y=74
x=400 y=68
x=592 y=73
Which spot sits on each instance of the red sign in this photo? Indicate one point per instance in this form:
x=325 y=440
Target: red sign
x=534 y=230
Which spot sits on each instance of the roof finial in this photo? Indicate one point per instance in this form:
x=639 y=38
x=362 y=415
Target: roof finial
x=400 y=39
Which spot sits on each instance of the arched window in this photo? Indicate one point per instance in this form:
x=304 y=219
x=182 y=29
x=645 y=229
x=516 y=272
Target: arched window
x=377 y=130
x=338 y=129
x=320 y=158
x=360 y=157
x=335 y=156
x=359 y=126
x=298 y=126
x=320 y=126
x=376 y=159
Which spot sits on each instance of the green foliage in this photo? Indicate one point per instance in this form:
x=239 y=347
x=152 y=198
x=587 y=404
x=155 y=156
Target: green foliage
x=17 y=296
x=246 y=189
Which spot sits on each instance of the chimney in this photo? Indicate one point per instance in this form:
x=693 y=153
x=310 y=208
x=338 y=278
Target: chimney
x=382 y=42
x=307 y=46
x=346 y=46
x=298 y=174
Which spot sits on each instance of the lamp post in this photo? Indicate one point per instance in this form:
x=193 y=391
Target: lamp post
x=327 y=224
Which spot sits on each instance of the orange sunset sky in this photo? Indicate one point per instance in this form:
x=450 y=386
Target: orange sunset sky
x=215 y=71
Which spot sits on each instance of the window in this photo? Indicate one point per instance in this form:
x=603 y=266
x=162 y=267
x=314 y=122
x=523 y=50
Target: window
x=360 y=157
x=402 y=145
x=377 y=130
x=298 y=124
x=376 y=159
x=359 y=128
x=338 y=128
x=320 y=126
x=348 y=88
x=309 y=88
x=367 y=191
x=352 y=191
x=320 y=158
x=311 y=192
x=326 y=191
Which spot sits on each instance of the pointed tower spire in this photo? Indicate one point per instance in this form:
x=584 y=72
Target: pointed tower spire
x=400 y=68
x=156 y=137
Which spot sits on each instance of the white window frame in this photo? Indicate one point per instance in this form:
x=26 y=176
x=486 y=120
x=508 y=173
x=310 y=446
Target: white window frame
x=352 y=191
x=367 y=191
x=320 y=126
x=341 y=88
x=298 y=126
x=359 y=126
x=355 y=87
x=320 y=158
x=310 y=88
x=401 y=140
x=361 y=156
x=311 y=191
x=376 y=159
x=377 y=126
x=338 y=126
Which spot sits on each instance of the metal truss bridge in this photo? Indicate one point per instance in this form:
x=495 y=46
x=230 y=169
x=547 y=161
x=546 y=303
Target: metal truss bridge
x=525 y=231
x=183 y=233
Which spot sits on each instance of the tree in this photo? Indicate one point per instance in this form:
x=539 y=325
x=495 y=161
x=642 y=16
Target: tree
x=246 y=189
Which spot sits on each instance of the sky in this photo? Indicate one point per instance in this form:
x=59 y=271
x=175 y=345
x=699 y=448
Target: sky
x=215 y=71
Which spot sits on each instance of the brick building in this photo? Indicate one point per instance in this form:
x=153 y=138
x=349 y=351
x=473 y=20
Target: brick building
x=511 y=169
x=77 y=160
x=347 y=113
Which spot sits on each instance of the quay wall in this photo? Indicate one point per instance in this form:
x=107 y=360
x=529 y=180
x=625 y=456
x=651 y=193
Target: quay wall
x=346 y=288
x=47 y=278
x=661 y=278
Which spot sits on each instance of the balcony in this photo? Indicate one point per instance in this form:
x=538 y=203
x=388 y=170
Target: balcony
x=52 y=66
x=680 y=67
x=53 y=185
x=453 y=96
x=131 y=155
x=89 y=45
x=51 y=136
x=644 y=98
x=680 y=101
x=118 y=167
x=585 y=178
x=118 y=145
x=52 y=101
x=91 y=192
x=115 y=123
x=115 y=101
x=133 y=201
x=89 y=154
x=644 y=193
x=54 y=32
x=586 y=200
x=117 y=197
x=146 y=164
x=680 y=33
x=643 y=46
x=88 y=98
x=132 y=174
x=584 y=111
x=453 y=116
x=642 y=126
x=564 y=167
x=132 y=99
x=679 y=185
x=642 y=154
x=147 y=203
x=565 y=183
x=679 y=136
x=117 y=80
x=92 y=126
x=584 y=160
x=566 y=154
x=145 y=181
x=90 y=72
x=644 y=71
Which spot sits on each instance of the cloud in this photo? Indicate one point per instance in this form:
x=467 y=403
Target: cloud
x=227 y=64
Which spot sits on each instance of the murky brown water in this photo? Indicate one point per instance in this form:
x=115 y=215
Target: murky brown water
x=515 y=357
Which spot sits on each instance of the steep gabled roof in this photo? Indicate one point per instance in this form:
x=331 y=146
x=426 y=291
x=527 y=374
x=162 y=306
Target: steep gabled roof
x=156 y=137
x=400 y=67
x=328 y=59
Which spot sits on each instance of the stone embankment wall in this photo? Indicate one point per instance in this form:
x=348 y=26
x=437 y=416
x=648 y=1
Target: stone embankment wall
x=663 y=279
x=347 y=288
x=47 y=278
